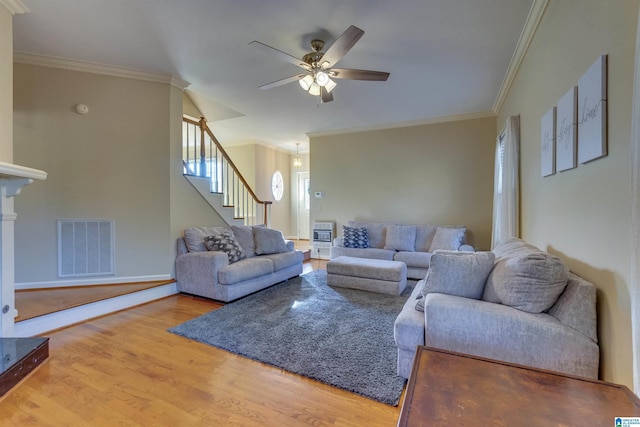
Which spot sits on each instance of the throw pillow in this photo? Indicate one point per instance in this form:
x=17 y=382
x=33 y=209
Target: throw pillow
x=376 y=232
x=355 y=237
x=401 y=238
x=194 y=237
x=447 y=239
x=227 y=243
x=424 y=236
x=461 y=274
x=244 y=236
x=530 y=281
x=269 y=241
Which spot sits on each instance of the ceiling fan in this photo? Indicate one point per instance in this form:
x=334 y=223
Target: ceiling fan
x=319 y=73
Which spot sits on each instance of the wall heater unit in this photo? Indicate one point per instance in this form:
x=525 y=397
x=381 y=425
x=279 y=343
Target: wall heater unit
x=323 y=234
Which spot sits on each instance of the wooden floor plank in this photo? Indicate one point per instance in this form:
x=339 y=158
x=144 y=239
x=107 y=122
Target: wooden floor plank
x=126 y=369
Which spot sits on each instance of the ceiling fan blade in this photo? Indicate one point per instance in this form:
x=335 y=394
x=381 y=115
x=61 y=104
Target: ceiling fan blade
x=347 y=74
x=326 y=95
x=341 y=46
x=282 y=81
x=280 y=54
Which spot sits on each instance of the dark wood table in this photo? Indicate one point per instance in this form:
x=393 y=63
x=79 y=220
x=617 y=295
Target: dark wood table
x=447 y=389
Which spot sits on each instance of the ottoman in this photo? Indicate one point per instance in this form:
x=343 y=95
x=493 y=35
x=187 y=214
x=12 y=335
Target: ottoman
x=375 y=275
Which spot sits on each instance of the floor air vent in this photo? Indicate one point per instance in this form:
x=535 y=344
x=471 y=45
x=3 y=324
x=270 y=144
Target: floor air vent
x=85 y=248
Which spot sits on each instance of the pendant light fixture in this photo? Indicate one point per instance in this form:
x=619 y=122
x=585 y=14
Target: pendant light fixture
x=297 y=161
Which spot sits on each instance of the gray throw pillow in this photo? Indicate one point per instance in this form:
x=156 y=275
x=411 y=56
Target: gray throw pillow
x=401 y=238
x=461 y=274
x=244 y=236
x=194 y=237
x=447 y=239
x=530 y=280
x=269 y=241
x=227 y=243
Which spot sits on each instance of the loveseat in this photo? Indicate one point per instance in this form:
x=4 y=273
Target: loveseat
x=411 y=244
x=526 y=308
x=226 y=263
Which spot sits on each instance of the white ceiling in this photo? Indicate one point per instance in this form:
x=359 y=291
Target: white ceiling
x=446 y=57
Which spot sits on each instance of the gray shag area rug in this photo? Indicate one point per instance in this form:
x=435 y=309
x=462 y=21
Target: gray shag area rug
x=342 y=337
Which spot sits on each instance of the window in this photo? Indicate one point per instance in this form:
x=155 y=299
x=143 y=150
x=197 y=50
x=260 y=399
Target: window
x=277 y=186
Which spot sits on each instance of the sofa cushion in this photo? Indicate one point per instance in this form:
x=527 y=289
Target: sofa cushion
x=526 y=278
x=461 y=274
x=285 y=259
x=355 y=237
x=244 y=236
x=447 y=238
x=371 y=253
x=269 y=241
x=246 y=269
x=375 y=231
x=194 y=237
x=414 y=259
x=424 y=236
x=227 y=243
x=401 y=237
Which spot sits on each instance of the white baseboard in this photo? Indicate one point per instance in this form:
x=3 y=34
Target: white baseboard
x=91 y=282
x=42 y=324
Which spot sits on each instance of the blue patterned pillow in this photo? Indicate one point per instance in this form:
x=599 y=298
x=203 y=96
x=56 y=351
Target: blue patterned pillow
x=227 y=243
x=355 y=237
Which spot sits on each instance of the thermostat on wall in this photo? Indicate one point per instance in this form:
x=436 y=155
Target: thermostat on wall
x=319 y=194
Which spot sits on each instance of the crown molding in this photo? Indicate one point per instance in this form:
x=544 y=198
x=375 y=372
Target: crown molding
x=96 y=68
x=394 y=125
x=14 y=7
x=530 y=27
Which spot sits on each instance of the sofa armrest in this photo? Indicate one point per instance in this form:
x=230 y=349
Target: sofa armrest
x=197 y=270
x=290 y=245
x=466 y=248
x=500 y=332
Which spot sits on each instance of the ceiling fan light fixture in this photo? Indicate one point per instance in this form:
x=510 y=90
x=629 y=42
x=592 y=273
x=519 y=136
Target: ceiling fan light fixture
x=314 y=89
x=306 y=82
x=322 y=78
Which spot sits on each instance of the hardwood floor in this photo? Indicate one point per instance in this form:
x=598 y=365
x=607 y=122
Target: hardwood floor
x=126 y=369
x=37 y=302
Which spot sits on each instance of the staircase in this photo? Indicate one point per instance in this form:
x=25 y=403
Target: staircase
x=214 y=175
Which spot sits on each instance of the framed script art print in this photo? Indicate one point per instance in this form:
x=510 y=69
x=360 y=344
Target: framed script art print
x=592 y=112
x=547 y=143
x=566 y=130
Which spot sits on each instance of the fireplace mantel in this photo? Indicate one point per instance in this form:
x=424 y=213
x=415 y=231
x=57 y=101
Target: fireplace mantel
x=12 y=179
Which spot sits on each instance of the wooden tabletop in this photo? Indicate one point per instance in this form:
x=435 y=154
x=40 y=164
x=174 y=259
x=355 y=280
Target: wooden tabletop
x=448 y=389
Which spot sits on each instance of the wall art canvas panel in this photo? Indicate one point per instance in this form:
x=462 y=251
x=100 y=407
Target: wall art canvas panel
x=548 y=143
x=566 y=130
x=592 y=112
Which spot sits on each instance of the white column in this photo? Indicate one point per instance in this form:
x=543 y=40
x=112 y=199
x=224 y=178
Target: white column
x=8 y=189
x=12 y=179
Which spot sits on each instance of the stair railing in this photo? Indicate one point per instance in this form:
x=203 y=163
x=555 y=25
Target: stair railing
x=203 y=156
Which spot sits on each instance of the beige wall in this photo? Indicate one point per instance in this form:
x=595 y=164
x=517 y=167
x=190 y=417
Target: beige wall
x=113 y=163
x=6 y=86
x=583 y=215
x=429 y=174
x=269 y=160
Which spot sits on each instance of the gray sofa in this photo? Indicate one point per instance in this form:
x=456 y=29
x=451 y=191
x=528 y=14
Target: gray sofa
x=411 y=244
x=268 y=259
x=549 y=323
